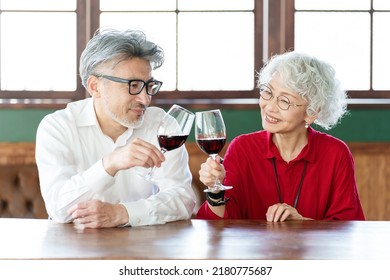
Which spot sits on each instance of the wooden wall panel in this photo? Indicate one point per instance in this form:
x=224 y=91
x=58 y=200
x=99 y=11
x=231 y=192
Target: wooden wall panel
x=13 y=153
x=372 y=167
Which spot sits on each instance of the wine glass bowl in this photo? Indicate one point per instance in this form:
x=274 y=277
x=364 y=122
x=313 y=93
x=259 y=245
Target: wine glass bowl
x=211 y=146
x=173 y=131
x=168 y=143
x=210 y=134
x=174 y=128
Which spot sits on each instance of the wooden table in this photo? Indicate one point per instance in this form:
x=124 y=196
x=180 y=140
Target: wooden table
x=198 y=239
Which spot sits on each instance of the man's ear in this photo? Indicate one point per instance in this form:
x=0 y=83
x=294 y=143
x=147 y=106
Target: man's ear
x=93 y=86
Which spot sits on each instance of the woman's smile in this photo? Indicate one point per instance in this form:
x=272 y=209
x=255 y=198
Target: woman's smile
x=271 y=119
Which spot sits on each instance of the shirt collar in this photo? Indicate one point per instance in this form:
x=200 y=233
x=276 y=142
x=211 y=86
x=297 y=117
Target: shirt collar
x=87 y=115
x=308 y=153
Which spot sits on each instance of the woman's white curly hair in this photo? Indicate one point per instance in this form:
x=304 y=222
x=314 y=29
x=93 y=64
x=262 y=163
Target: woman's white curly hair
x=314 y=80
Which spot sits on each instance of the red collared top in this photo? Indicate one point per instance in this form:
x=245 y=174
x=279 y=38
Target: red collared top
x=328 y=190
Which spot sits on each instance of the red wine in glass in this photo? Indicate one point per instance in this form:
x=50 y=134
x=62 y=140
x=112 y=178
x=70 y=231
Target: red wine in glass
x=211 y=145
x=169 y=143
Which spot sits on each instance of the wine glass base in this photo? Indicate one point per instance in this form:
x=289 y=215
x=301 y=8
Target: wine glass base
x=218 y=188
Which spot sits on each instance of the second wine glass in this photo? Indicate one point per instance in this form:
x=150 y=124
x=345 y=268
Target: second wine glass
x=210 y=134
x=173 y=130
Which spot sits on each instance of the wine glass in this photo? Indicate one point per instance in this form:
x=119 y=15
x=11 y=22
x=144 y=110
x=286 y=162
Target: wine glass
x=173 y=131
x=210 y=134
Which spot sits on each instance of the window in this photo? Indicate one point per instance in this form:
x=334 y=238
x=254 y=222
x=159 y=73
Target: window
x=210 y=47
x=352 y=36
x=213 y=47
x=38 y=51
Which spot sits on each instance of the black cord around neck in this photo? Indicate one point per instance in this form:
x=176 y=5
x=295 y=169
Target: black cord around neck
x=299 y=188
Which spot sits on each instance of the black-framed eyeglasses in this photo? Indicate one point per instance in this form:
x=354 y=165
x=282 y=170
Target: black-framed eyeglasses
x=282 y=101
x=136 y=86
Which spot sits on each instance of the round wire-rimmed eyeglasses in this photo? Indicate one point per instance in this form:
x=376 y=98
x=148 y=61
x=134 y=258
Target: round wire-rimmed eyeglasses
x=282 y=101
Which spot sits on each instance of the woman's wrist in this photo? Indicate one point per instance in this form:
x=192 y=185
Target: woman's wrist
x=216 y=199
x=216 y=195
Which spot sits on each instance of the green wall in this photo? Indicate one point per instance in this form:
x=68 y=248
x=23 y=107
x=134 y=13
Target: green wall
x=370 y=125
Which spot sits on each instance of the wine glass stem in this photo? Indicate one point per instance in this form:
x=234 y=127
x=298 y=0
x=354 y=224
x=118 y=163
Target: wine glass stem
x=217 y=183
x=150 y=173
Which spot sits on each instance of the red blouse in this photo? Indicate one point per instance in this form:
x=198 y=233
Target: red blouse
x=328 y=190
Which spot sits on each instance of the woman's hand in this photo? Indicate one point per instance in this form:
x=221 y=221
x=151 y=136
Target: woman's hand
x=211 y=170
x=281 y=212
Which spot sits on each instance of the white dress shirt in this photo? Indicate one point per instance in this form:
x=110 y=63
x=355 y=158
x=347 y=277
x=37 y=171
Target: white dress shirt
x=69 y=150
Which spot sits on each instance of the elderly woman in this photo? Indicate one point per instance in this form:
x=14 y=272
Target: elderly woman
x=288 y=171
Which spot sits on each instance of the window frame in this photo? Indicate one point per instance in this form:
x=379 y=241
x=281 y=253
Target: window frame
x=358 y=98
x=242 y=99
x=280 y=37
x=45 y=99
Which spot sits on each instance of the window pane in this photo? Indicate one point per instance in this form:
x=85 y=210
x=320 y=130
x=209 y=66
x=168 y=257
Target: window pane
x=137 y=5
x=381 y=45
x=343 y=39
x=216 y=51
x=215 y=5
x=332 y=4
x=43 y=54
x=381 y=4
x=164 y=34
x=35 y=5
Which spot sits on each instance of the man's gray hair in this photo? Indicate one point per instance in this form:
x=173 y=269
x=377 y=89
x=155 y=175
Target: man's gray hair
x=110 y=45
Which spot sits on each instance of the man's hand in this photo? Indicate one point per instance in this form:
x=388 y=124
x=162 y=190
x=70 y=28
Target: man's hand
x=98 y=214
x=136 y=153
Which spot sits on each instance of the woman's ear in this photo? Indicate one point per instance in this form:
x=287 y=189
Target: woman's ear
x=93 y=86
x=310 y=119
